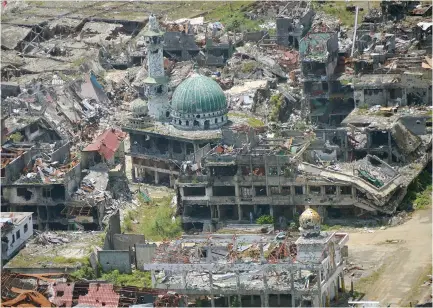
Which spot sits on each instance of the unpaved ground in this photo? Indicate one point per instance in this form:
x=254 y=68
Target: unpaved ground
x=395 y=261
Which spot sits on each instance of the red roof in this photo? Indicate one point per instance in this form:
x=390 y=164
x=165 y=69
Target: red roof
x=107 y=143
x=100 y=294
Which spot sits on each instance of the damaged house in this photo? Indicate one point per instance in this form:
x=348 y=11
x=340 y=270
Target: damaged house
x=16 y=229
x=294 y=23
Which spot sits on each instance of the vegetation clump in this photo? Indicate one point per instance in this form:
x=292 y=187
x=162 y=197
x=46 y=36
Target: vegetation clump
x=265 y=220
x=276 y=104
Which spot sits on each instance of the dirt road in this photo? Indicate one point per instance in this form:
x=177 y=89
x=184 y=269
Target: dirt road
x=396 y=260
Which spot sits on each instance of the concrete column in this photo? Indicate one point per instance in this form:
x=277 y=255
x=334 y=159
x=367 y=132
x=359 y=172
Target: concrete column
x=156 y=177
x=212 y=300
x=319 y=281
x=271 y=210
x=338 y=191
x=40 y=226
x=292 y=287
x=212 y=209
x=255 y=206
x=219 y=211
x=240 y=212
x=262 y=256
x=152 y=276
x=279 y=300
x=229 y=304
x=211 y=282
x=133 y=174
x=389 y=148
x=252 y=300
x=183 y=280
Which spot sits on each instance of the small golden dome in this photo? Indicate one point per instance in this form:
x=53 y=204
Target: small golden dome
x=309 y=219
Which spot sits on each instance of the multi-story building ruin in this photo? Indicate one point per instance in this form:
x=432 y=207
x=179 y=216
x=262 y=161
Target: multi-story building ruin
x=255 y=270
x=364 y=167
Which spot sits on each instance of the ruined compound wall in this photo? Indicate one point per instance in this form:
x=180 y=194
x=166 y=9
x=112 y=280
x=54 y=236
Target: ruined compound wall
x=144 y=254
x=115 y=260
x=127 y=241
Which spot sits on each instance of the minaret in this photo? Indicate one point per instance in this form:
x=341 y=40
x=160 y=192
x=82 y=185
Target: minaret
x=156 y=82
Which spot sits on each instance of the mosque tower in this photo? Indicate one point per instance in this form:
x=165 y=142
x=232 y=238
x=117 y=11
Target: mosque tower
x=156 y=82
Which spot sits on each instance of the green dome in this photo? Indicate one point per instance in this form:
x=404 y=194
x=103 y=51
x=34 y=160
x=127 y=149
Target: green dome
x=198 y=95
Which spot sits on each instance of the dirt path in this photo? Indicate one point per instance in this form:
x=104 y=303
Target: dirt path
x=398 y=260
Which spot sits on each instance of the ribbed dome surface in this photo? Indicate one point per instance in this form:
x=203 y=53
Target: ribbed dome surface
x=198 y=94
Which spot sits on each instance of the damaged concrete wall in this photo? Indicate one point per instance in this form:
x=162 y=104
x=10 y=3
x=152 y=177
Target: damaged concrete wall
x=72 y=180
x=13 y=170
x=127 y=241
x=416 y=125
x=61 y=153
x=144 y=254
x=254 y=36
x=238 y=139
x=406 y=141
x=115 y=260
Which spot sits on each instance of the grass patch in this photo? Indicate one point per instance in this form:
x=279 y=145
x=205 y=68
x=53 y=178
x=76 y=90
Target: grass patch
x=155 y=220
x=330 y=228
x=363 y=284
x=85 y=272
x=40 y=261
x=232 y=16
x=248 y=67
x=253 y=122
x=136 y=279
x=419 y=192
x=338 y=10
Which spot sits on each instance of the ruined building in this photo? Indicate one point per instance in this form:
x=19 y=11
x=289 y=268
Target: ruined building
x=366 y=166
x=327 y=95
x=293 y=24
x=255 y=270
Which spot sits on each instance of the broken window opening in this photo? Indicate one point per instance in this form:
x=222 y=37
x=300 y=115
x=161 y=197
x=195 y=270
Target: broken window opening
x=197 y=211
x=33 y=128
x=58 y=192
x=26 y=228
x=258 y=170
x=285 y=190
x=224 y=191
x=273 y=170
x=196 y=123
x=25 y=193
x=224 y=171
x=162 y=145
x=275 y=190
x=260 y=191
x=246 y=192
x=13 y=238
x=379 y=138
x=245 y=170
x=189 y=148
x=315 y=190
x=345 y=190
x=194 y=191
x=330 y=190
x=177 y=147
x=159 y=89
x=18 y=234
x=299 y=190
x=206 y=124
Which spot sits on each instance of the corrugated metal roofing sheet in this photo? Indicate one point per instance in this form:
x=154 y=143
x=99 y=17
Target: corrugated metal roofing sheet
x=107 y=143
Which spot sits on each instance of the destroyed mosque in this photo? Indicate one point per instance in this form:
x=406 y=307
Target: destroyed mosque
x=301 y=120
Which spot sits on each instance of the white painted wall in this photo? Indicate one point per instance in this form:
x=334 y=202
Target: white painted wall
x=14 y=242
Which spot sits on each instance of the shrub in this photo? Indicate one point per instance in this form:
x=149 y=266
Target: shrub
x=16 y=137
x=265 y=219
x=135 y=279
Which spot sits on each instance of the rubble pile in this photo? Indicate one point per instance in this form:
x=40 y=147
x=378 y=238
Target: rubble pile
x=171 y=299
